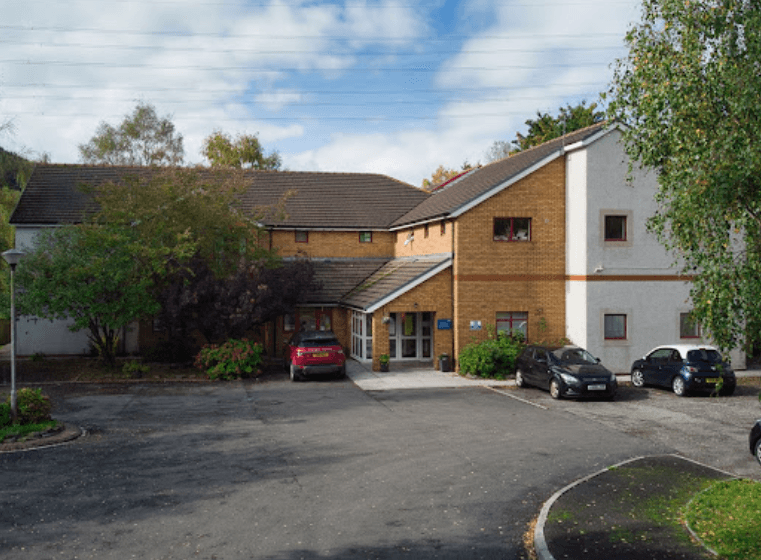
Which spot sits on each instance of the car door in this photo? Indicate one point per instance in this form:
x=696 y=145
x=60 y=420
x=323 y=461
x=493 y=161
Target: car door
x=671 y=366
x=541 y=368
x=651 y=368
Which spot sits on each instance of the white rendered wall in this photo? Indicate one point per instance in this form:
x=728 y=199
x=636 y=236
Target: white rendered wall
x=51 y=338
x=596 y=185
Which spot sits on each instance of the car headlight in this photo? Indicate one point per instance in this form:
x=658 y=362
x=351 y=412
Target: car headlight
x=612 y=377
x=569 y=379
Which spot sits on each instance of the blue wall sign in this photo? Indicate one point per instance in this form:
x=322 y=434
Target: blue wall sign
x=444 y=324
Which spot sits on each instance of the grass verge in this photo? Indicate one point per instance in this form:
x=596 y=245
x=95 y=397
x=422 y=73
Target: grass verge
x=727 y=517
x=21 y=432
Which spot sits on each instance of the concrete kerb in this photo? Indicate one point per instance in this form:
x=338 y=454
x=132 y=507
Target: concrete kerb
x=540 y=543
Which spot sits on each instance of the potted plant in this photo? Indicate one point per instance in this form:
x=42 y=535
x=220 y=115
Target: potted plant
x=444 y=363
x=383 y=359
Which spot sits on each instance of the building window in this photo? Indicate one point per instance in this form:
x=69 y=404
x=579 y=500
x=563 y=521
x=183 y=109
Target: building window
x=512 y=229
x=513 y=322
x=425 y=231
x=289 y=322
x=365 y=236
x=615 y=228
x=302 y=236
x=687 y=327
x=615 y=327
x=443 y=227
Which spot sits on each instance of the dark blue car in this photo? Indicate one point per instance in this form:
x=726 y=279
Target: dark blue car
x=685 y=368
x=755 y=440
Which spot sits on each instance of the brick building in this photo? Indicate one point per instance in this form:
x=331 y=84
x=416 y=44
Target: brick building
x=550 y=242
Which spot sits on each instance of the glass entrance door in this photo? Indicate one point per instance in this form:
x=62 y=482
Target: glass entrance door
x=410 y=336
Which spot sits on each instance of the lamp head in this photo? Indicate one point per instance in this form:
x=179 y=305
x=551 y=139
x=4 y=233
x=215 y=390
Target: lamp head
x=13 y=256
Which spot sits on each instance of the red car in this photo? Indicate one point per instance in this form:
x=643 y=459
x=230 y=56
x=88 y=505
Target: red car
x=314 y=353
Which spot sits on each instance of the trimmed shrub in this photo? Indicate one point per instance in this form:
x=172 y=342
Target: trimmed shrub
x=231 y=360
x=32 y=406
x=494 y=357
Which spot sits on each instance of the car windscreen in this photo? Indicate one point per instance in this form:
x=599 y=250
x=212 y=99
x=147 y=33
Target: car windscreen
x=703 y=355
x=318 y=342
x=572 y=355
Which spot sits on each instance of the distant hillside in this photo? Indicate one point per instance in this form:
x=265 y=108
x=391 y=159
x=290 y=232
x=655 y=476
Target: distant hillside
x=14 y=170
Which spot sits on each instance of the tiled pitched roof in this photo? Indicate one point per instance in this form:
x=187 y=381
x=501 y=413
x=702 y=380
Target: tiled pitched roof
x=321 y=200
x=338 y=277
x=394 y=278
x=478 y=182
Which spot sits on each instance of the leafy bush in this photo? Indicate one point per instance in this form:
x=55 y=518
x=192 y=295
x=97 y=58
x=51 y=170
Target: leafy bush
x=135 y=368
x=233 y=359
x=32 y=406
x=494 y=357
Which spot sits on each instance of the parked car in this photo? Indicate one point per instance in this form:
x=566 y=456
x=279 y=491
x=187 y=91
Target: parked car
x=314 y=353
x=755 y=440
x=566 y=371
x=684 y=368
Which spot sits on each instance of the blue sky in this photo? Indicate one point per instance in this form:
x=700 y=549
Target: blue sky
x=390 y=86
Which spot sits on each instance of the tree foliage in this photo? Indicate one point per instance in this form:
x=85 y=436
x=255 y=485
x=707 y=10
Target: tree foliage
x=442 y=175
x=86 y=273
x=142 y=139
x=689 y=92
x=243 y=152
x=546 y=127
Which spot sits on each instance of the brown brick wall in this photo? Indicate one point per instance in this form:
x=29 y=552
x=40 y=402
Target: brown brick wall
x=433 y=296
x=334 y=244
x=493 y=276
x=435 y=243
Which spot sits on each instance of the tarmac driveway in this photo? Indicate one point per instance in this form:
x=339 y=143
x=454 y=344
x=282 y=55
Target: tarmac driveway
x=280 y=470
x=710 y=430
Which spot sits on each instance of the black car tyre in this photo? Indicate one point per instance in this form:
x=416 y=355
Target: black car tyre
x=727 y=391
x=342 y=372
x=295 y=376
x=638 y=378
x=677 y=385
x=520 y=381
x=555 y=389
x=757 y=452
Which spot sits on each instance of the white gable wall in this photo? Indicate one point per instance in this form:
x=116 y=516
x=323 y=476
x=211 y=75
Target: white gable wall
x=634 y=277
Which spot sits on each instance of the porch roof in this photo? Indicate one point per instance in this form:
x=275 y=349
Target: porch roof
x=338 y=276
x=395 y=278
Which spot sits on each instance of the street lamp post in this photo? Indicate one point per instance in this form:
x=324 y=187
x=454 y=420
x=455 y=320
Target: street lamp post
x=12 y=257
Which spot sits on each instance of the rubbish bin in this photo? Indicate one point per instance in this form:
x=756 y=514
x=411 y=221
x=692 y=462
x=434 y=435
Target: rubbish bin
x=444 y=363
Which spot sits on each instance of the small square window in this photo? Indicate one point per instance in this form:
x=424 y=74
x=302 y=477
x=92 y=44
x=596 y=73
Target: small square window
x=302 y=236
x=365 y=236
x=687 y=327
x=615 y=228
x=615 y=327
x=513 y=322
x=512 y=229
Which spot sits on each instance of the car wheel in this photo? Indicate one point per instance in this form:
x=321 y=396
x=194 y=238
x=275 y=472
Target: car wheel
x=638 y=378
x=727 y=391
x=555 y=389
x=342 y=372
x=295 y=376
x=520 y=381
x=677 y=385
x=758 y=451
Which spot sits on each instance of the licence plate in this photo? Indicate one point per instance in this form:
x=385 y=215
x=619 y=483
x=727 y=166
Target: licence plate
x=712 y=379
x=598 y=387
x=321 y=354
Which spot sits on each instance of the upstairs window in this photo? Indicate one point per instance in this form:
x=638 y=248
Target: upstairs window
x=302 y=236
x=443 y=227
x=615 y=228
x=512 y=229
x=687 y=327
x=365 y=236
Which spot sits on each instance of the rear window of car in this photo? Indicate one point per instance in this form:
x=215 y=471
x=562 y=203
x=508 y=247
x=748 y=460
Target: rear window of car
x=317 y=342
x=702 y=355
